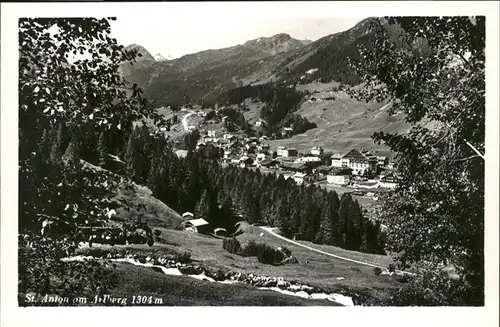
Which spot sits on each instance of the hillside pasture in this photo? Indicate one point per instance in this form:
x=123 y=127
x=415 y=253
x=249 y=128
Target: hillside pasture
x=343 y=123
x=187 y=291
x=156 y=212
x=313 y=268
x=316 y=87
x=253 y=113
x=130 y=196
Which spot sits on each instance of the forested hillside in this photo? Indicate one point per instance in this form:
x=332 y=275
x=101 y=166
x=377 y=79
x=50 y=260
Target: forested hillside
x=224 y=196
x=327 y=59
x=279 y=108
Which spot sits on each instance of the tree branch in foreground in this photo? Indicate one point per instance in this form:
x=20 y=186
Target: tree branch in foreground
x=475 y=150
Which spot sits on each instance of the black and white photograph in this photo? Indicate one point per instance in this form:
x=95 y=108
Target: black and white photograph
x=180 y=155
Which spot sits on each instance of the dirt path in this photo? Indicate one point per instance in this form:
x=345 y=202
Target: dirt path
x=270 y=231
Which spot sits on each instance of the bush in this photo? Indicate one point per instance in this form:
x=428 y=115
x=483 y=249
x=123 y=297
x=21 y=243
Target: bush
x=250 y=250
x=264 y=253
x=377 y=271
x=184 y=257
x=434 y=288
x=157 y=232
x=136 y=238
x=231 y=245
x=268 y=255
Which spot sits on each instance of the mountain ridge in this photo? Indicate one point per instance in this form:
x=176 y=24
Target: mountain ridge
x=283 y=63
x=208 y=72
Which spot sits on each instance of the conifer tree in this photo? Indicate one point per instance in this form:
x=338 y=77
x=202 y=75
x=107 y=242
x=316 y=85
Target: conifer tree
x=280 y=213
x=225 y=214
x=134 y=156
x=55 y=90
x=344 y=207
x=354 y=225
x=251 y=211
x=202 y=209
x=295 y=221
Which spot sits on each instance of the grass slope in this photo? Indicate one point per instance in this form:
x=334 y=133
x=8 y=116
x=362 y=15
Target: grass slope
x=131 y=195
x=157 y=213
x=343 y=123
x=312 y=269
x=376 y=259
x=187 y=291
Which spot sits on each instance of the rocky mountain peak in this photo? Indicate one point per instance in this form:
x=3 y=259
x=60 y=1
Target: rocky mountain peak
x=159 y=57
x=278 y=43
x=281 y=37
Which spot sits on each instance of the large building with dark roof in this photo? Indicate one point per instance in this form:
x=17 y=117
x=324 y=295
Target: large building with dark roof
x=359 y=161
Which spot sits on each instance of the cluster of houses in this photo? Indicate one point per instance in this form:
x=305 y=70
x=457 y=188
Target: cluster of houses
x=339 y=169
x=235 y=149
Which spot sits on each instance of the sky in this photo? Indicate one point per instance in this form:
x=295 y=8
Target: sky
x=174 y=32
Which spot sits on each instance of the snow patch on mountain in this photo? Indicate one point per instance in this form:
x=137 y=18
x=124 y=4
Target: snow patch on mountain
x=159 y=57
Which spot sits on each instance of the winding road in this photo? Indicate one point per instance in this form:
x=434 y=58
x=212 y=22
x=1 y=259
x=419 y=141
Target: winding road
x=270 y=231
x=185 y=118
